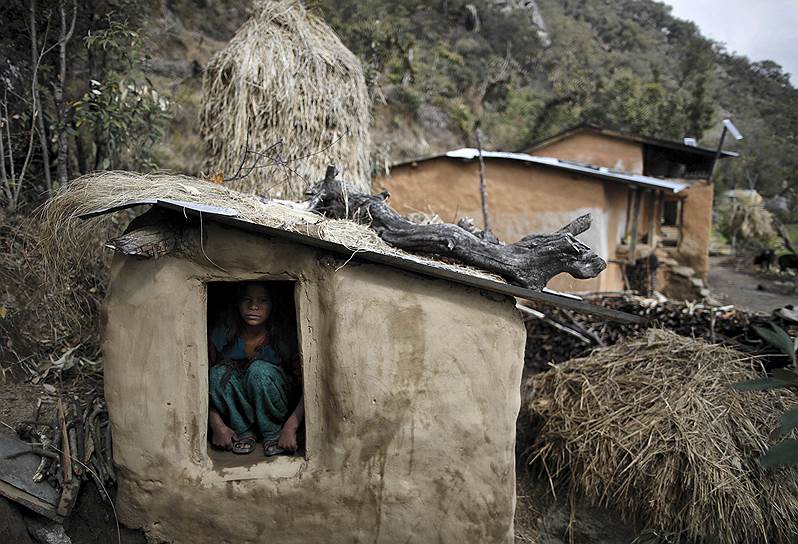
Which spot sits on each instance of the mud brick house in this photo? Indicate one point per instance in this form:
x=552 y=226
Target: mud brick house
x=645 y=195
x=411 y=379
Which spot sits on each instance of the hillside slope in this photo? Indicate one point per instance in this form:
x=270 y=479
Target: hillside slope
x=528 y=69
x=524 y=69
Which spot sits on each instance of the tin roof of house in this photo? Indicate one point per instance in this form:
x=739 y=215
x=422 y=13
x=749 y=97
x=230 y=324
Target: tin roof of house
x=650 y=140
x=596 y=172
x=309 y=235
x=593 y=171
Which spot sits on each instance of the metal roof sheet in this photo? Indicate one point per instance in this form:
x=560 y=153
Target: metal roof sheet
x=229 y=216
x=469 y=153
x=640 y=138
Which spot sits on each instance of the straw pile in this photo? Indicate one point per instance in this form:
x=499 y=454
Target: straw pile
x=286 y=77
x=108 y=189
x=652 y=428
x=746 y=220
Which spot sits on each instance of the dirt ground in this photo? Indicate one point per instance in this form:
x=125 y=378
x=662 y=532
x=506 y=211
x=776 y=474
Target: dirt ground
x=744 y=286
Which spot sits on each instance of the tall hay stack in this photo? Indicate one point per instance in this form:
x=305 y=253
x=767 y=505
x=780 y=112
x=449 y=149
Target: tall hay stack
x=286 y=77
x=652 y=428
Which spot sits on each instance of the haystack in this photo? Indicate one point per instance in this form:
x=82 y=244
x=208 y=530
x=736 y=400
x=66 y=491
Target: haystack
x=652 y=428
x=113 y=189
x=287 y=97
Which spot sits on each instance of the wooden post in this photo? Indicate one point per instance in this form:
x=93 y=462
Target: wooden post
x=652 y=219
x=483 y=190
x=635 y=221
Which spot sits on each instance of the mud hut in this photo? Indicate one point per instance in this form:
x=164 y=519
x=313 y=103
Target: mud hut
x=283 y=100
x=411 y=375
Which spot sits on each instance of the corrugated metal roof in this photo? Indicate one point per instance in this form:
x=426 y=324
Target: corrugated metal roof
x=469 y=153
x=229 y=216
x=640 y=138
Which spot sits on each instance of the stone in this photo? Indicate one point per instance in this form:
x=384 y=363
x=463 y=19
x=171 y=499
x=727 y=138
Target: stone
x=12 y=524
x=45 y=531
x=684 y=271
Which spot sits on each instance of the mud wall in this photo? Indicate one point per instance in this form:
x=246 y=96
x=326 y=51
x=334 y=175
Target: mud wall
x=411 y=387
x=523 y=199
x=696 y=229
x=598 y=150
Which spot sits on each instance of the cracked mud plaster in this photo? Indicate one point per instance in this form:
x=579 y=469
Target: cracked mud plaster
x=411 y=393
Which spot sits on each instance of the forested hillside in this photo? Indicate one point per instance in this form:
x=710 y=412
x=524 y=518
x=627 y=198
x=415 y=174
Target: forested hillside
x=523 y=69
x=528 y=69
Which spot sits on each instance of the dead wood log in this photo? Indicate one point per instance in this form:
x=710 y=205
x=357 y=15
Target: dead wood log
x=150 y=242
x=531 y=262
x=150 y=236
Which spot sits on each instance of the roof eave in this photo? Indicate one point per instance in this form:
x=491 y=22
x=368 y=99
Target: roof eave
x=650 y=140
x=223 y=216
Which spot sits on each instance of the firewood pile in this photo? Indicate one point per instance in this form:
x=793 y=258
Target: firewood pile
x=73 y=446
x=62 y=440
x=561 y=334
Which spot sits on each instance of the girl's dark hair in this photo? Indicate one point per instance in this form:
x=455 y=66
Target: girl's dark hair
x=241 y=289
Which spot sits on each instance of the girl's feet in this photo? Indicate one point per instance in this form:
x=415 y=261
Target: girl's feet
x=244 y=444
x=272 y=448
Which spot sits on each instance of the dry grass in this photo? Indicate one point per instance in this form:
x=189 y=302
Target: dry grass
x=286 y=77
x=651 y=427
x=747 y=221
x=43 y=311
x=107 y=189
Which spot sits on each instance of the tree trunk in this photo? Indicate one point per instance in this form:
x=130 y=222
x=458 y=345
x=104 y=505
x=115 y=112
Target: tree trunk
x=62 y=160
x=531 y=262
x=37 y=104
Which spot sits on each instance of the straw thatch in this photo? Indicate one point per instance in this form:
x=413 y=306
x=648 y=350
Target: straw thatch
x=286 y=77
x=746 y=220
x=109 y=189
x=652 y=428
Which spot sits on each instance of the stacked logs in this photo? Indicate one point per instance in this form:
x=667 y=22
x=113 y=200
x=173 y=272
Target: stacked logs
x=547 y=342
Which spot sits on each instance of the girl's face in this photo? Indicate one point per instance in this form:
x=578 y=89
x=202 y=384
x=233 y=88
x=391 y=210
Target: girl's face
x=255 y=305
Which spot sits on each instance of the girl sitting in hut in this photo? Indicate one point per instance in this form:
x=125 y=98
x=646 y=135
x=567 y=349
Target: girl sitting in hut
x=250 y=390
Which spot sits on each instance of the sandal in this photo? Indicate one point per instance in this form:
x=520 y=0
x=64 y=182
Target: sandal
x=245 y=444
x=272 y=448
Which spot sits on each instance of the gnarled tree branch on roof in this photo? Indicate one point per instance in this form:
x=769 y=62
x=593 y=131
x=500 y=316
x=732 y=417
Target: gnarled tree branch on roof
x=531 y=262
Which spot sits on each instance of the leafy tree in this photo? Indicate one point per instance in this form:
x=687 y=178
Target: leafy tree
x=72 y=95
x=785 y=452
x=121 y=117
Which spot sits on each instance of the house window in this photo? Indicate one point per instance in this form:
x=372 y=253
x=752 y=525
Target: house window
x=255 y=373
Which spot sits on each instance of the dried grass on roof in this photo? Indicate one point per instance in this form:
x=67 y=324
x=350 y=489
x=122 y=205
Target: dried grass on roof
x=109 y=189
x=286 y=77
x=652 y=428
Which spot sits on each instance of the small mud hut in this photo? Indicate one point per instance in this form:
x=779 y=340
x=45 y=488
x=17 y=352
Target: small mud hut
x=283 y=100
x=411 y=375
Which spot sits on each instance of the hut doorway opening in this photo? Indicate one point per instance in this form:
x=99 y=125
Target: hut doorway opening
x=255 y=381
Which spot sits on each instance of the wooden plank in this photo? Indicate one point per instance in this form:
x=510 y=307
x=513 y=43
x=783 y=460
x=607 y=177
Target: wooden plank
x=16 y=478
